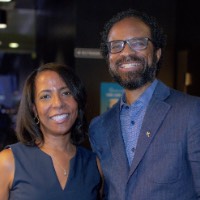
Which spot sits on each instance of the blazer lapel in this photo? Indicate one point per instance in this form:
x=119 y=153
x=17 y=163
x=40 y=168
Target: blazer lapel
x=116 y=142
x=154 y=116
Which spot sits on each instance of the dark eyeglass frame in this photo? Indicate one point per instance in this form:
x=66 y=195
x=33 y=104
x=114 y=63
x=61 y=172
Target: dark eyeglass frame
x=123 y=42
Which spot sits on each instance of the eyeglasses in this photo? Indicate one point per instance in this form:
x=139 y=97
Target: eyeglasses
x=135 y=44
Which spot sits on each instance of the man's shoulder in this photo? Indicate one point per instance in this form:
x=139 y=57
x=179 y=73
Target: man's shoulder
x=106 y=116
x=170 y=93
x=184 y=97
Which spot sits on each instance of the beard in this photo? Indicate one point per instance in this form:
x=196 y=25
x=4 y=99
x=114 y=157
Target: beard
x=134 y=79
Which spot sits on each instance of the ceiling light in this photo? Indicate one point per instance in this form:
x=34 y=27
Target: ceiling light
x=3 y=18
x=5 y=0
x=13 y=45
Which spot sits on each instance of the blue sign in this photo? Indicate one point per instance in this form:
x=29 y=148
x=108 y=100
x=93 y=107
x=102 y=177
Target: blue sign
x=110 y=94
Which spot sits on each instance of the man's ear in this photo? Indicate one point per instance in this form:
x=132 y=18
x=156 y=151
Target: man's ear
x=158 y=54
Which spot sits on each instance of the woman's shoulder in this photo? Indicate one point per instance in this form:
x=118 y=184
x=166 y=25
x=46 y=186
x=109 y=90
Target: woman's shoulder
x=6 y=171
x=6 y=163
x=15 y=145
x=21 y=147
x=6 y=157
x=86 y=152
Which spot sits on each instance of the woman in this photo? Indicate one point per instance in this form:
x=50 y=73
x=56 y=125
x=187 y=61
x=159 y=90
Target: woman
x=48 y=162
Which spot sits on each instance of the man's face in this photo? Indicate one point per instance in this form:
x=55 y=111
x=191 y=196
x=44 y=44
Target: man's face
x=132 y=68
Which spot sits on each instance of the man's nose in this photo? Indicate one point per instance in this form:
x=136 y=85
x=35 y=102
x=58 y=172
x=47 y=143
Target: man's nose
x=127 y=49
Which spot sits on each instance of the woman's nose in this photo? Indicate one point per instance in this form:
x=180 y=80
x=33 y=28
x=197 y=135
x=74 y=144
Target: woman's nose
x=57 y=101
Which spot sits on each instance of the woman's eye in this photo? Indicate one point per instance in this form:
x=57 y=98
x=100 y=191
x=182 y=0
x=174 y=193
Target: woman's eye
x=46 y=96
x=67 y=93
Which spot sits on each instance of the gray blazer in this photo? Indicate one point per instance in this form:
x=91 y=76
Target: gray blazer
x=166 y=165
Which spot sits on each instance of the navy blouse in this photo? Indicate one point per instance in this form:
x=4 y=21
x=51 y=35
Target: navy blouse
x=35 y=177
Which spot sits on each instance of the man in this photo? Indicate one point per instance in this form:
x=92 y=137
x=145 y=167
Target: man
x=149 y=142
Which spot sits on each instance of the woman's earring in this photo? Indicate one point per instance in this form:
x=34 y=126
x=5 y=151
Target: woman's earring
x=36 y=119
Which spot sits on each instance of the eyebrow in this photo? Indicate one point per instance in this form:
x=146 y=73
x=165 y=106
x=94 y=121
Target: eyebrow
x=49 y=90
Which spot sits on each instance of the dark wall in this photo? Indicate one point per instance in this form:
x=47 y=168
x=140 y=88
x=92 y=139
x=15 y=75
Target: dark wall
x=188 y=44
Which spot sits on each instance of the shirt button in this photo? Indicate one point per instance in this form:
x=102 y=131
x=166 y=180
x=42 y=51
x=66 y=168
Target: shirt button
x=132 y=122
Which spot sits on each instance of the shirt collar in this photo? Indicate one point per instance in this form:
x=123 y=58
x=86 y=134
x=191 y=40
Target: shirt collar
x=145 y=96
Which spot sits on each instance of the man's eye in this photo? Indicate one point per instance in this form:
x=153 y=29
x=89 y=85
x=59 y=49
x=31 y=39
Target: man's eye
x=116 y=46
x=139 y=43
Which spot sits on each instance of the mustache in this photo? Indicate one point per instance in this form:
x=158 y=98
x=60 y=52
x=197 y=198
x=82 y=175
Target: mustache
x=129 y=58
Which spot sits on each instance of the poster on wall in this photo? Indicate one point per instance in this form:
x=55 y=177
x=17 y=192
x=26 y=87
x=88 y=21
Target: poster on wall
x=110 y=93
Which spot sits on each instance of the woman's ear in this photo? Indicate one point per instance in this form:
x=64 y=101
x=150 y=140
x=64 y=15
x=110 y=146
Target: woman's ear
x=36 y=118
x=34 y=110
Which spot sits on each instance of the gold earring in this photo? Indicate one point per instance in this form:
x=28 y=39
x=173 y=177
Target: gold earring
x=36 y=119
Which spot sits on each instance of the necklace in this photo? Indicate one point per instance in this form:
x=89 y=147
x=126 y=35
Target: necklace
x=53 y=157
x=58 y=163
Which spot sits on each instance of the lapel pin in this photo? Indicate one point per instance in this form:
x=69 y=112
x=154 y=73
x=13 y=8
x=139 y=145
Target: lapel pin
x=148 y=133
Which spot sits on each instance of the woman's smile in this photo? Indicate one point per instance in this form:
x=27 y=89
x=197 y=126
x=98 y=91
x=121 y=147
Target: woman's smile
x=60 y=118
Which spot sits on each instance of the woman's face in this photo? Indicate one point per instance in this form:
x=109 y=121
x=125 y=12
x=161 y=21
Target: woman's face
x=55 y=106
